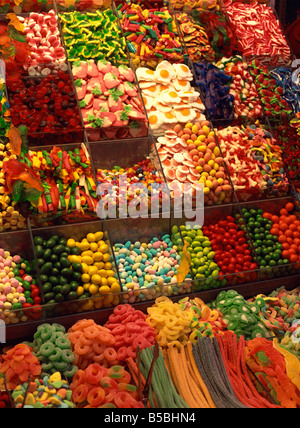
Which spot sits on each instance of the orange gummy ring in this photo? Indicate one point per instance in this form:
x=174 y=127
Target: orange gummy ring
x=78 y=378
x=91 y=332
x=81 y=349
x=80 y=393
x=96 y=396
x=94 y=373
x=98 y=348
x=110 y=354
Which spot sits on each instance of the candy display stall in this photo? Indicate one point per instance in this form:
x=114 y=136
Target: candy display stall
x=114 y=116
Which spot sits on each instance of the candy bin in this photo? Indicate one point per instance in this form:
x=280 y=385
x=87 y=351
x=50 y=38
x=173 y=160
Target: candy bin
x=147 y=260
x=260 y=35
x=219 y=30
x=187 y=5
x=253 y=158
x=76 y=267
x=20 y=295
x=46 y=107
x=53 y=185
x=170 y=96
x=47 y=54
x=128 y=175
x=154 y=35
x=25 y=6
x=110 y=101
x=273 y=228
x=192 y=162
x=103 y=39
x=220 y=248
x=82 y=5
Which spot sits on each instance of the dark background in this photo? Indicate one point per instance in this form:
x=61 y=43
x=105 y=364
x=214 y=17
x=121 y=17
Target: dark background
x=288 y=11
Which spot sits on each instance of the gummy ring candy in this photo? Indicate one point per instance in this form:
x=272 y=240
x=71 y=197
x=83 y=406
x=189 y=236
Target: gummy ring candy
x=133 y=328
x=91 y=332
x=63 y=343
x=56 y=354
x=126 y=378
x=131 y=352
x=98 y=348
x=59 y=327
x=82 y=324
x=116 y=372
x=46 y=333
x=129 y=338
x=123 y=400
x=107 y=339
x=121 y=329
x=110 y=354
x=70 y=373
x=213 y=315
x=94 y=373
x=47 y=349
x=81 y=349
x=96 y=396
x=107 y=382
x=141 y=342
x=75 y=336
x=79 y=378
x=99 y=358
x=67 y=355
x=47 y=366
x=80 y=393
x=60 y=365
x=127 y=387
x=122 y=353
x=85 y=341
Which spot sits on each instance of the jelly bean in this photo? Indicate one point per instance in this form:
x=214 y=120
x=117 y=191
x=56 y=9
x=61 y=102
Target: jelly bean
x=202 y=256
x=98 y=275
x=150 y=277
x=232 y=250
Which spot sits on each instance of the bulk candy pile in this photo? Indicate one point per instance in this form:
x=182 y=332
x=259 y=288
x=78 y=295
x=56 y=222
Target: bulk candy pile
x=149 y=205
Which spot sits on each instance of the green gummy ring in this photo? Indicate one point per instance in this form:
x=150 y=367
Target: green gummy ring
x=47 y=349
x=63 y=343
x=60 y=365
x=59 y=327
x=70 y=373
x=46 y=333
x=56 y=354
x=47 y=366
x=67 y=356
